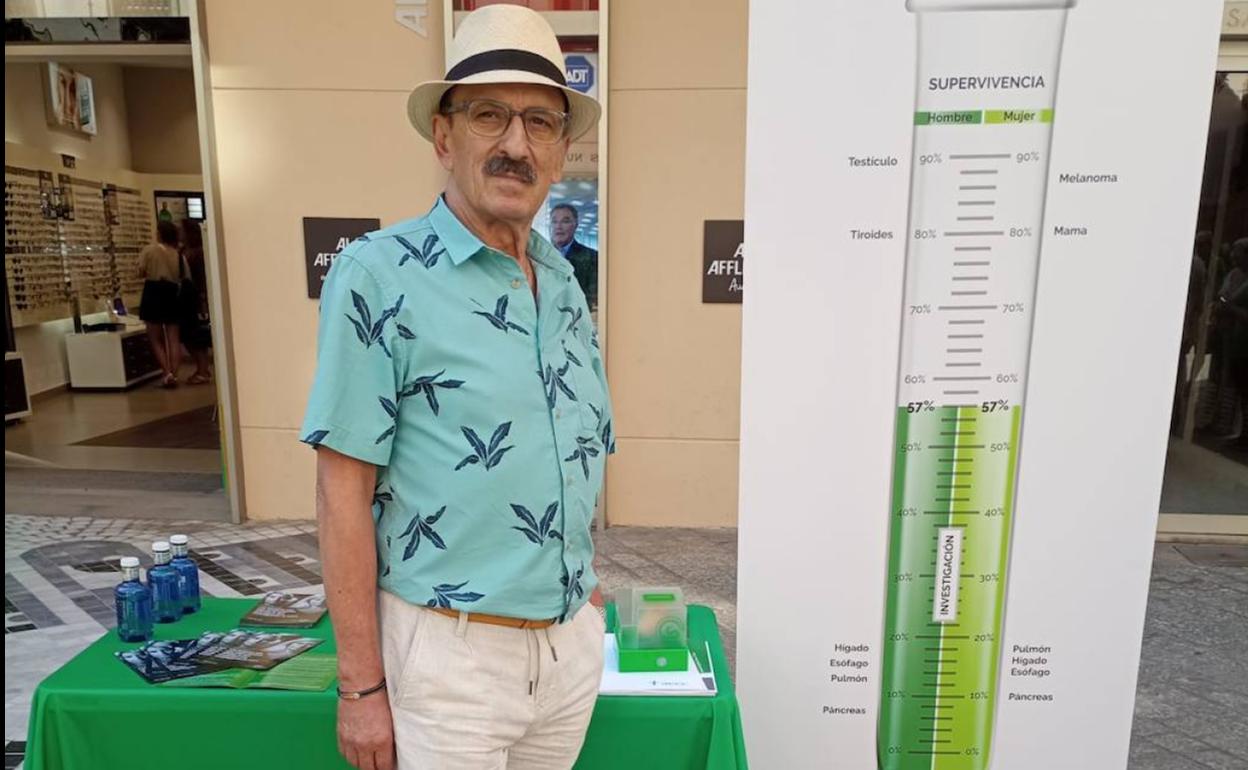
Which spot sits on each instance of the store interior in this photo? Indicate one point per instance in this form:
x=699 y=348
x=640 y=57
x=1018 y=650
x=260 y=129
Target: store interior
x=85 y=185
x=1207 y=461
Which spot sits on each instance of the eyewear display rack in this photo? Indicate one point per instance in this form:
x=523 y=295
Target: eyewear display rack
x=70 y=244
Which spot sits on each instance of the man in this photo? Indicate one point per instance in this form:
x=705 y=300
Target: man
x=462 y=421
x=1233 y=318
x=564 y=220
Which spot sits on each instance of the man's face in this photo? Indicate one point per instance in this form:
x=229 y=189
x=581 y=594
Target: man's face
x=562 y=227
x=505 y=177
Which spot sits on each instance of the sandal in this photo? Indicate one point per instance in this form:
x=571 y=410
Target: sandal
x=170 y=381
x=199 y=379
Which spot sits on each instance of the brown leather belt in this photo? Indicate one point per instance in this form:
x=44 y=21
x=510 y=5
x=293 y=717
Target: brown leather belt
x=495 y=620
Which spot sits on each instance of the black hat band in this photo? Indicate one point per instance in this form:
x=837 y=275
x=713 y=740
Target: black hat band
x=507 y=59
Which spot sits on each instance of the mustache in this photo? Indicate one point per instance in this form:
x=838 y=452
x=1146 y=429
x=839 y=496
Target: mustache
x=503 y=166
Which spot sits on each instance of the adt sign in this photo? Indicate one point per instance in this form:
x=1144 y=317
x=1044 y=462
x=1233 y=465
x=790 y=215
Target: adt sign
x=580 y=73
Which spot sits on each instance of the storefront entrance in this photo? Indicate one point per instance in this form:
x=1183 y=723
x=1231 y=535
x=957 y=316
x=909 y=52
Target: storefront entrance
x=1206 y=479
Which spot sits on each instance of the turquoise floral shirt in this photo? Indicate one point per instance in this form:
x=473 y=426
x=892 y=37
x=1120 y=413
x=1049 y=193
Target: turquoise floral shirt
x=486 y=412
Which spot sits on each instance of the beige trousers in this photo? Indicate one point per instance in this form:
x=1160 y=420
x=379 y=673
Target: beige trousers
x=472 y=696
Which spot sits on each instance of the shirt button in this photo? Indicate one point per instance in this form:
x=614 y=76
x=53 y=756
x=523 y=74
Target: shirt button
x=516 y=283
x=558 y=413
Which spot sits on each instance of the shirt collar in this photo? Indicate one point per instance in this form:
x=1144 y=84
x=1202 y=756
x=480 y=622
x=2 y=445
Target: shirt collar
x=461 y=245
x=458 y=240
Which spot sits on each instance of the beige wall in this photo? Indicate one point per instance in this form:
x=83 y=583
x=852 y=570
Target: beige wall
x=160 y=110
x=677 y=157
x=26 y=122
x=310 y=123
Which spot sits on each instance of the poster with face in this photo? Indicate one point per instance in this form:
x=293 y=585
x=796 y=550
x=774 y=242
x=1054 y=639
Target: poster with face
x=571 y=224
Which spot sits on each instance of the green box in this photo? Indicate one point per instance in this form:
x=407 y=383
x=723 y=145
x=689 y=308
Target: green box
x=649 y=660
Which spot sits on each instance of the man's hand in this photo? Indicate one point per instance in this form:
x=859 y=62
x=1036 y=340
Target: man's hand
x=366 y=732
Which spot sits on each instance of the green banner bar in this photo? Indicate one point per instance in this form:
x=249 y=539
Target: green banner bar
x=951 y=118
x=1019 y=117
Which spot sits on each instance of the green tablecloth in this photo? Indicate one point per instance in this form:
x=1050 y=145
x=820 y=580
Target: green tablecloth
x=94 y=713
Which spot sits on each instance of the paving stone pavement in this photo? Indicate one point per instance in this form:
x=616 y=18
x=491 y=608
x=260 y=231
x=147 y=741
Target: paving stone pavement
x=1191 y=705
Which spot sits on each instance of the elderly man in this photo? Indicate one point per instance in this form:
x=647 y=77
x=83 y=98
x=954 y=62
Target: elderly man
x=564 y=220
x=461 y=417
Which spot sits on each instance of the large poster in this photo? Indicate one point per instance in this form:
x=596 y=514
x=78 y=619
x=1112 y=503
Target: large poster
x=954 y=405
x=71 y=99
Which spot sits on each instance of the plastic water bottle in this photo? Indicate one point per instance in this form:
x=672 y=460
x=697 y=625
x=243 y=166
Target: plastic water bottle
x=188 y=573
x=163 y=580
x=134 y=604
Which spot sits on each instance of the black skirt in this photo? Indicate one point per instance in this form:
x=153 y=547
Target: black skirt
x=159 y=303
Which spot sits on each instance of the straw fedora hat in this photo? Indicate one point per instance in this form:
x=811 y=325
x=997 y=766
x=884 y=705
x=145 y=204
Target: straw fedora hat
x=503 y=44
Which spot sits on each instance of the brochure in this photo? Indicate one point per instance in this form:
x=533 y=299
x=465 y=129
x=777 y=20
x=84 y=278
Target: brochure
x=312 y=672
x=286 y=611
x=251 y=649
x=165 y=660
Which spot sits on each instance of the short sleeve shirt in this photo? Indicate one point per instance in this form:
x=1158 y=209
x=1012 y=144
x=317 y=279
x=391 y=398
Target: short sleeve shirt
x=160 y=263
x=486 y=411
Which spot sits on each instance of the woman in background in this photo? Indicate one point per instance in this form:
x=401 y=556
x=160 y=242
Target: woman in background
x=196 y=332
x=160 y=267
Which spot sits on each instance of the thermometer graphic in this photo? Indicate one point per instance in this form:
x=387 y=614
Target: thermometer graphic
x=987 y=76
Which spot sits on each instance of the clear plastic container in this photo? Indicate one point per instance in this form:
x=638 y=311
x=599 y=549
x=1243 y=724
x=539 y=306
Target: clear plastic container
x=651 y=618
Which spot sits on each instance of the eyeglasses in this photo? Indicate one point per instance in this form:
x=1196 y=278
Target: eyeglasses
x=490 y=119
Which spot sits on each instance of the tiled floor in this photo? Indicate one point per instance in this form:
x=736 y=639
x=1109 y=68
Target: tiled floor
x=61 y=492
x=1191 y=708
x=49 y=437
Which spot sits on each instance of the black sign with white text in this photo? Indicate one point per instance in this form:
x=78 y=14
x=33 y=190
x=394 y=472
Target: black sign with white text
x=722 y=242
x=323 y=238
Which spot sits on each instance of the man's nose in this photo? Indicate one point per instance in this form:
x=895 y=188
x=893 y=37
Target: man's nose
x=514 y=141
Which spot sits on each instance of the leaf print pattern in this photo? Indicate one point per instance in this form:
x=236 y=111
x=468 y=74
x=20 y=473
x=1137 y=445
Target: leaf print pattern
x=553 y=380
x=572 y=588
x=429 y=385
x=487 y=456
x=585 y=449
x=604 y=431
x=446 y=593
x=568 y=355
x=574 y=318
x=498 y=319
x=380 y=498
x=315 y=437
x=419 y=528
x=372 y=332
x=427 y=255
x=393 y=410
x=538 y=532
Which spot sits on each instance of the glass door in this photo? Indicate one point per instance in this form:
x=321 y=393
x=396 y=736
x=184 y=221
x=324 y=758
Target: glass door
x=1207 y=460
